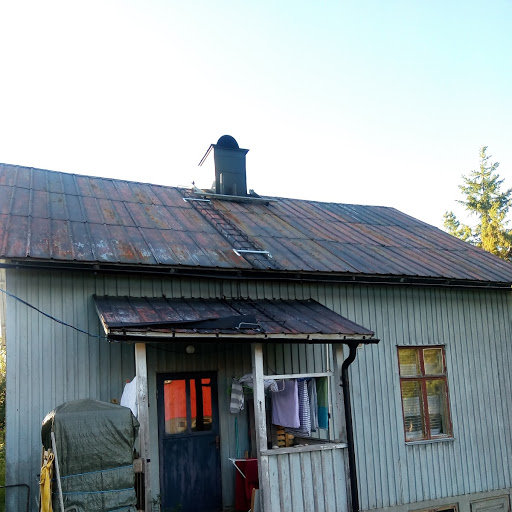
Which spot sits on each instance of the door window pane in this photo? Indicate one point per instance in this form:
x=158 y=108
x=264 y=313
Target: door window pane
x=175 y=402
x=202 y=404
x=413 y=410
x=409 y=362
x=207 y=403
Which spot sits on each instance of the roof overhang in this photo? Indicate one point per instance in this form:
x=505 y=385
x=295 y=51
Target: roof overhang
x=249 y=274
x=137 y=319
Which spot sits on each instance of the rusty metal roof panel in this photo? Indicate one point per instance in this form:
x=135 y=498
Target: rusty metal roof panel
x=169 y=196
x=6 y=194
x=39 y=242
x=60 y=239
x=228 y=316
x=82 y=250
x=20 y=202
x=57 y=216
x=39 y=180
x=15 y=235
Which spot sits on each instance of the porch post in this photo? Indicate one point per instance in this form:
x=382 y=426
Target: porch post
x=260 y=422
x=141 y=371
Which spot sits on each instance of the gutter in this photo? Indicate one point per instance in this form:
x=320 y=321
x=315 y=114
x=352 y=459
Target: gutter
x=348 y=422
x=251 y=274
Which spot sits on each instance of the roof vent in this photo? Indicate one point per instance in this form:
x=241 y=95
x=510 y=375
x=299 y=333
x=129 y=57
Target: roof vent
x=230 y=170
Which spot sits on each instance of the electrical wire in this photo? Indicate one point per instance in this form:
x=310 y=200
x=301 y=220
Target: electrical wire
x=98 y=336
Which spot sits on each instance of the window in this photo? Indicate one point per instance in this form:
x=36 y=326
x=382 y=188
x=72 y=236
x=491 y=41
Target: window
x=446 y=508
x=188 y=405
x=424 y=392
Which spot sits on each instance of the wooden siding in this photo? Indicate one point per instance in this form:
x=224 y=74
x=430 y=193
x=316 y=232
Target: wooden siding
x=474 y=327
x=307 y=481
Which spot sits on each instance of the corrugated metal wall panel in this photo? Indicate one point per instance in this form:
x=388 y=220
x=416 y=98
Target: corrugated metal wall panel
x=479 y=365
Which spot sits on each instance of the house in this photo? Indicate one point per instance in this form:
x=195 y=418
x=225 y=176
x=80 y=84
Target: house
x=406 y=328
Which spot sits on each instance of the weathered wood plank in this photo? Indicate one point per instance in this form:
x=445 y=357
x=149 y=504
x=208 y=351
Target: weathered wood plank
x=260 y=417
x=296 y=482
x=141 y=370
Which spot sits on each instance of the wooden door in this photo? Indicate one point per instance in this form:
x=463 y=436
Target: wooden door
x=190 y=477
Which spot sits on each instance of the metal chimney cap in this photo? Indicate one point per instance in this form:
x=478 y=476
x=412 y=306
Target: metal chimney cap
x=228 y=142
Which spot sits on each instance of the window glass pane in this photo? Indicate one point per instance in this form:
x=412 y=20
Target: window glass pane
x=409 y=362
x=433 y=360
x=193 y=404
x=207 y=404
x=437 y=407
x=175 y=402
x=202 y=419
x=413 y=410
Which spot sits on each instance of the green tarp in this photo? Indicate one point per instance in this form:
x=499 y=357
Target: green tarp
x=95 y=442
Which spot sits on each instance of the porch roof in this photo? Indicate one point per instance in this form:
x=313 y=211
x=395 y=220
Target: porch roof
x=138 y=318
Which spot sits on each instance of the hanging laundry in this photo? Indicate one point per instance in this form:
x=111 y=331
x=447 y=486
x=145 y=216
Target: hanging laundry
x=304 y=429
x=323 y=402
x=267 y=383
x=285 y=405
x=129 y=396
x=45 y=483
x=313 y=404
x=237 y=398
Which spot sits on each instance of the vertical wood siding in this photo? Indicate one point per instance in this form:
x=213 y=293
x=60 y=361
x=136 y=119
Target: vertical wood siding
x=310 y=481
x=474 y=327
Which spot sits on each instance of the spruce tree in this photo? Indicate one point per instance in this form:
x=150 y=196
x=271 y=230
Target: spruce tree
x=485 y=200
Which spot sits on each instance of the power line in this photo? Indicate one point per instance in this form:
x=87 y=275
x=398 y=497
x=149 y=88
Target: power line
x=52 y=317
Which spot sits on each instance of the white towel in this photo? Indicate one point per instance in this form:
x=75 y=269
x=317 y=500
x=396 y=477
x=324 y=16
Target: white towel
x=129 y=396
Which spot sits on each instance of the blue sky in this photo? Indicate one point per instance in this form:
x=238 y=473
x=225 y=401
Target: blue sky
x=366 y=102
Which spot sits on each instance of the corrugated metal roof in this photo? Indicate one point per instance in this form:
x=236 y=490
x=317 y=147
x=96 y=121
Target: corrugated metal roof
x=306 y=319
x=54 y=216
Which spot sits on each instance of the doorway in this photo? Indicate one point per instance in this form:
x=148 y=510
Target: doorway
x=188 y=431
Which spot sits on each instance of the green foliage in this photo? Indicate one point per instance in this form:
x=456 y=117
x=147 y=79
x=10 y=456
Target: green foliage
x=485 y=200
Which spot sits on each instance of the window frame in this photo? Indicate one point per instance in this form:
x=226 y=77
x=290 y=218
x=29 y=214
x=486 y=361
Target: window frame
x=422 y=380
x=453 y=507
x=188 y=377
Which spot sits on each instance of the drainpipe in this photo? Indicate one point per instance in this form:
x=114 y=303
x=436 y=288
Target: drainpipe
x=350 y=430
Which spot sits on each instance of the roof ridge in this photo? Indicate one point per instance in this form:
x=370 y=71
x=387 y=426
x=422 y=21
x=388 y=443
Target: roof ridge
x=181 y=187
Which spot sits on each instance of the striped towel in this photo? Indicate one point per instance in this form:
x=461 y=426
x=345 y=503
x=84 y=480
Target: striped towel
x=304 y=411
x=237 y=398
x=313 y=404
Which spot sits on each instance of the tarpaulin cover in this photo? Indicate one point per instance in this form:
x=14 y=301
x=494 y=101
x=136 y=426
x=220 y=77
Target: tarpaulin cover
x=94 y=442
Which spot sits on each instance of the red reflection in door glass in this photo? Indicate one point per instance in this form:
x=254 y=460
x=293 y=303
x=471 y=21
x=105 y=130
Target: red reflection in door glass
x=175 y=401
x=201 y=404
x=193 y=406
x=207 y=403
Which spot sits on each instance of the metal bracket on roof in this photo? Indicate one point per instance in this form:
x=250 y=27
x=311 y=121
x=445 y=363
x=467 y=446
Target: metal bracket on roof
x=249 y=325
x=239 y=252
x=187 y=199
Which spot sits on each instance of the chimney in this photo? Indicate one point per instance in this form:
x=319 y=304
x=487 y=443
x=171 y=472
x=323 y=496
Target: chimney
x=230 y=174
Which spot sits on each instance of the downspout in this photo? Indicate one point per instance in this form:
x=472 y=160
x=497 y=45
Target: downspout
x=350 y=430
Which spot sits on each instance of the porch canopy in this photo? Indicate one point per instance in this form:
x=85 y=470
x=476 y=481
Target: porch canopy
x=141 y=318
